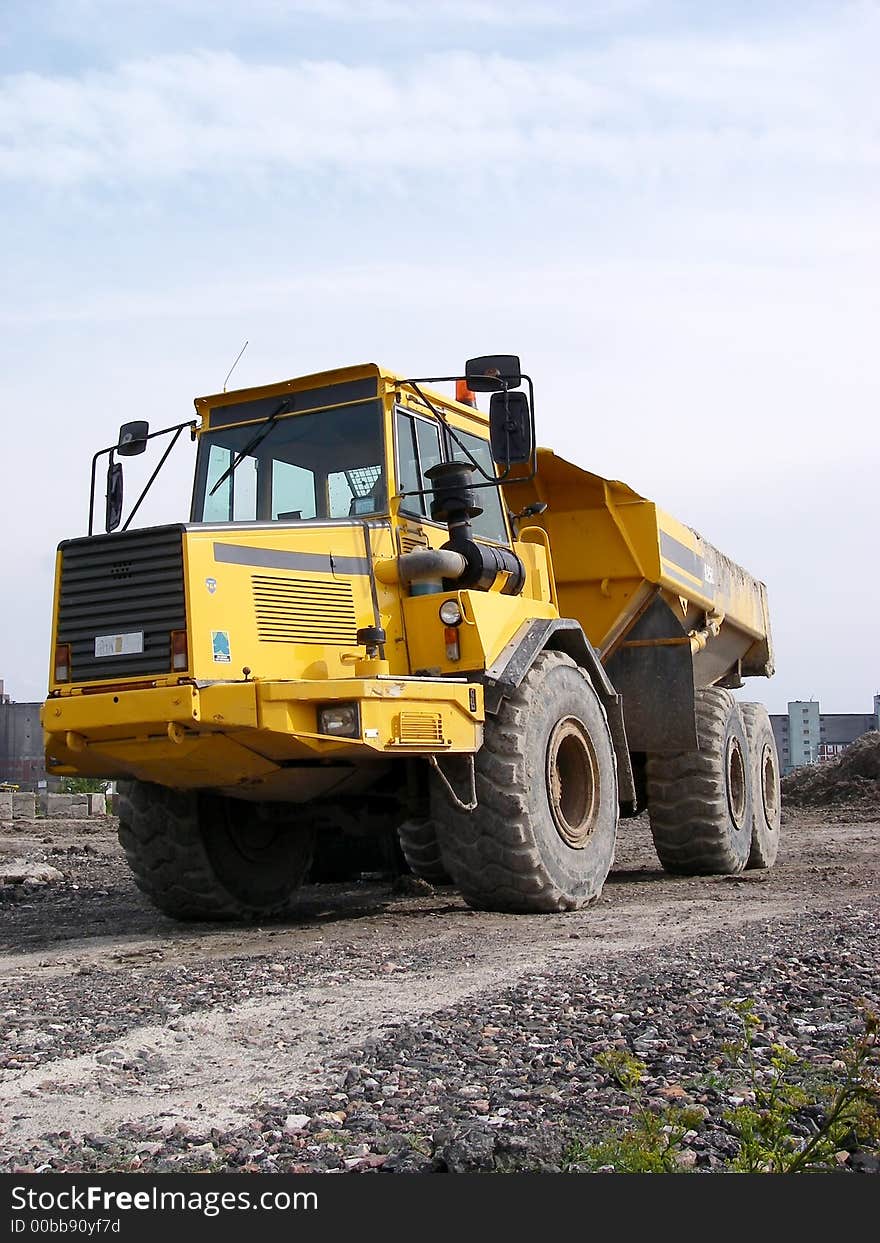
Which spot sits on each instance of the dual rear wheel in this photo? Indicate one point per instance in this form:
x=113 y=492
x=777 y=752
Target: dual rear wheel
x=766 y=792
x=718 y=810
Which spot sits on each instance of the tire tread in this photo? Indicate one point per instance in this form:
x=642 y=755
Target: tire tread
x=687 y=797
x=160 y=834
x=492 y=857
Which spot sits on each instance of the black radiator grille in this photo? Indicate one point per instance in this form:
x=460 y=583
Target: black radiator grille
x=125 y=584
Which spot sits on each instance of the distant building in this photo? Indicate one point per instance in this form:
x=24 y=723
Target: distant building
x=807 y=736
x=22 y=759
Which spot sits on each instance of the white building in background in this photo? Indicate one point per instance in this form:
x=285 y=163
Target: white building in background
x=807 y=736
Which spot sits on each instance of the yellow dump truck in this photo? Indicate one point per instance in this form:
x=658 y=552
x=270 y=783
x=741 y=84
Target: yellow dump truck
x=389 y=608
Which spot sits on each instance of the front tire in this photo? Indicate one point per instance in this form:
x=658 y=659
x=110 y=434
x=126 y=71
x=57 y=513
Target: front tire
x=205 y=857
x=700 y=802
x=543 y=833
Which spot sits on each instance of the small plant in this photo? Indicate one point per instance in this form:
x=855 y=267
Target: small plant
x=794 y=1117
x=624 y=1069
x=653 y=1141
x=419 y=1143
x=842 y=1104
x=340 y=1139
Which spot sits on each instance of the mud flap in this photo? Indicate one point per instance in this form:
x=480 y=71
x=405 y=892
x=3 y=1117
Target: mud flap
x=653 y=670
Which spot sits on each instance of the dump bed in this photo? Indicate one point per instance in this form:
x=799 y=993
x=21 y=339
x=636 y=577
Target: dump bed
x=616 y=554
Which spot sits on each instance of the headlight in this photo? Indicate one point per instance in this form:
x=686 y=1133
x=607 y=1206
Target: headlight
x=450 y=613
x=340 y=720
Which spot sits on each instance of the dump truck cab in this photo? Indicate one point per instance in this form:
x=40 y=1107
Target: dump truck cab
x=341 y=476
x=274 y=628
x=388 y=608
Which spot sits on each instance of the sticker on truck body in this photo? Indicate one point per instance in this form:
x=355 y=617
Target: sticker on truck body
x=220 y=647
x=119 y=644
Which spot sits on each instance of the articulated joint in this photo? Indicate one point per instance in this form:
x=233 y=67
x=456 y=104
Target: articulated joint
x=699 y=638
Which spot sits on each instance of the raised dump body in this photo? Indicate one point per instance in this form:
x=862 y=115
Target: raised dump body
x=666 y=610
x=388 y=612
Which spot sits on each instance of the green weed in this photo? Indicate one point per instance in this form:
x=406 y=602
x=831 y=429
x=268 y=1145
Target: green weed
x=795 y=1117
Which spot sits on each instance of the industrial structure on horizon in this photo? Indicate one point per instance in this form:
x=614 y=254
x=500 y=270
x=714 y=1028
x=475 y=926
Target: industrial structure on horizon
x=804 y=735
x=22 y=757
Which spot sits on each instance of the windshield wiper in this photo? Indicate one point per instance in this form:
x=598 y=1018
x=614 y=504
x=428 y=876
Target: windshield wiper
x=255 y=440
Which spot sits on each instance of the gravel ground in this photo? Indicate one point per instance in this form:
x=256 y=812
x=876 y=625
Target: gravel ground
x=390 y=1029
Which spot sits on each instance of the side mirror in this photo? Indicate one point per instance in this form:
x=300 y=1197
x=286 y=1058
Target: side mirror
x=493 y=372
x=113 y=512
x=510 y=429
x=132 y=438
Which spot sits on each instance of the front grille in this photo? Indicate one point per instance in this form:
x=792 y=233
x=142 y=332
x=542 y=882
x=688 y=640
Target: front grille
x=125 y=584
x=420 y=729
x=304 y=610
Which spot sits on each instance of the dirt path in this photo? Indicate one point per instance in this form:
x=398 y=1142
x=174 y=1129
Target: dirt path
x=110 y=1013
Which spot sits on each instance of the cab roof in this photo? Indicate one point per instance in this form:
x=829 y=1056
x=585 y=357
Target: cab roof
x=339 y=376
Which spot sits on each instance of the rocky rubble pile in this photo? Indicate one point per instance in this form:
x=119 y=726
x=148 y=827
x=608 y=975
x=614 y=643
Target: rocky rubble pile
x=852 y=779
x=27 y=872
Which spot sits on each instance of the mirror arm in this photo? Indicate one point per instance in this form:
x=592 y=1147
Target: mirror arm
x=149 y=483
x=176 y=427
x=414 y=382
x=111 y=462
x=414 y=385
x=99 y=454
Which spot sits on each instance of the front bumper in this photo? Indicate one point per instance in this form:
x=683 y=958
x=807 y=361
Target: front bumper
x=225 y=734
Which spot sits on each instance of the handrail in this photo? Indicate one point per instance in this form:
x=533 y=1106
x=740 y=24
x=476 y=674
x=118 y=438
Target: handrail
x=545 y=541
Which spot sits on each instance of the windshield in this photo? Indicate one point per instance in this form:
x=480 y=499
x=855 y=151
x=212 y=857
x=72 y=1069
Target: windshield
x=329 y=464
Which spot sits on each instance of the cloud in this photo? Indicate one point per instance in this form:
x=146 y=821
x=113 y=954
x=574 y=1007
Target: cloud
x=636 y=108
x=69 y=14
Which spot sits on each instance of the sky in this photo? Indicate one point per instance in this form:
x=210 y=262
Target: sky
x=669 y=209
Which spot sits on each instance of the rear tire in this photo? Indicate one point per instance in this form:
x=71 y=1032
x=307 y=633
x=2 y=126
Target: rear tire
x=766 y=795
x=543 y=832
x=700 y=802
x=421 y=849
x=199 y=856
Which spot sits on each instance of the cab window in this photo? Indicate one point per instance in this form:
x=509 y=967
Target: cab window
x=236 y=499
x=293 y=492
x=316 y=465
x=418 y=449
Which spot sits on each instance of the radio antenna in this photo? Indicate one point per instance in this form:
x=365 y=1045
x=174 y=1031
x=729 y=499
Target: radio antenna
x=234 y=365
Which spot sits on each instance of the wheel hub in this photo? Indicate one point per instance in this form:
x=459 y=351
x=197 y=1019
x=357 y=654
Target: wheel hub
x=736 y=783
x=572 y=782
x=769 y=787
x=252 y=835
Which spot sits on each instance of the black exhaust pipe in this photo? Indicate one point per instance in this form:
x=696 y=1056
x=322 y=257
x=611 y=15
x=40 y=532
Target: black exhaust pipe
x=455 y=503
